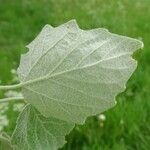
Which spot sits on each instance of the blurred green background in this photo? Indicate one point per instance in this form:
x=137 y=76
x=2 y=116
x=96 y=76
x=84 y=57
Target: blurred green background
x=125 y=127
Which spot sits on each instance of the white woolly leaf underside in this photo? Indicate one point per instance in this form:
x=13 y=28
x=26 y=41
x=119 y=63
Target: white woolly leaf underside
x=67 y=75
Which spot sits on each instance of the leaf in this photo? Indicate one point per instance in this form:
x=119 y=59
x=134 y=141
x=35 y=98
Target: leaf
x=35 y=132
x=71 y=74
x=5 y=142
x=67 y=75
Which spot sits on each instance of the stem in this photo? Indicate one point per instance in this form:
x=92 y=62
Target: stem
x=10 y=87
x=11 y=99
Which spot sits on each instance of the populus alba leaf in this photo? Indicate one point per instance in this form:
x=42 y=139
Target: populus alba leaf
x=70 y=73
x=35 y=132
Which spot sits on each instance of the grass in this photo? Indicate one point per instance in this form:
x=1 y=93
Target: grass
x=127 y=126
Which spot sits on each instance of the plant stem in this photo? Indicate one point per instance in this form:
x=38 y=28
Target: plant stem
x=10 y=87
x=11 y=99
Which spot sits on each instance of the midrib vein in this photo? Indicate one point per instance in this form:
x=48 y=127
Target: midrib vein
x=67 y=71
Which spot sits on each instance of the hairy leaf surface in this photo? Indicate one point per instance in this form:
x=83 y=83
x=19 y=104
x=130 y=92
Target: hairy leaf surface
x=71 y=74
x=67 y=75
x=35 y=132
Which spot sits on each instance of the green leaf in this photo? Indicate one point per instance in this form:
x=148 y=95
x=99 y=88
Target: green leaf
x=35 y=132
x=67 y=75
x=71 y=74
x=5 y=142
